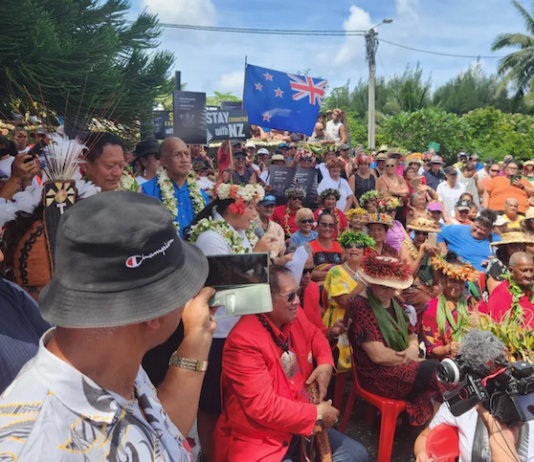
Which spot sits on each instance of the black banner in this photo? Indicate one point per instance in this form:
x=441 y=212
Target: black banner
x=163 y=124
x=282 y=178
x=225 y=125
x=229 y=105
x=190 y=116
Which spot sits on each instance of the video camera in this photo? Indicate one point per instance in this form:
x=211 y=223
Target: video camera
x=508 y=393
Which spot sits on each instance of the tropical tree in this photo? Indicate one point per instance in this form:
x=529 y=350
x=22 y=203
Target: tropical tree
x=219 y=98
x=517 y=68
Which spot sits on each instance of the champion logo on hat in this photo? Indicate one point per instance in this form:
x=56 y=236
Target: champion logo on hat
x=135 y=261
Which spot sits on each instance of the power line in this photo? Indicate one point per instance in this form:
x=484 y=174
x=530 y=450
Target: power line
x=316 y=33
x=439 y=53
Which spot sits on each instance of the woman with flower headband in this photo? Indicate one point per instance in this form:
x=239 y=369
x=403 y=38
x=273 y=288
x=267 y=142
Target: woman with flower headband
x=378 y=225
x=326 y=251
x=447 y=314
x=369 y=201
x=224 y=228
x=385 y=346
x=342 y=284
x=322 y=168
x=285 y=215
x=334 y=181
x=396 y=235
x=354 y=217
x=418 y=255
x=328 y=200
x=364 y=180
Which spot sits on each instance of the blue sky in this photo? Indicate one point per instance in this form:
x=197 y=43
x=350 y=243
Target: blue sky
x=213 y=61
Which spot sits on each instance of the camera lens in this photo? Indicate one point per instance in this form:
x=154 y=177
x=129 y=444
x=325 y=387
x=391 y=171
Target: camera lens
x=448 y=372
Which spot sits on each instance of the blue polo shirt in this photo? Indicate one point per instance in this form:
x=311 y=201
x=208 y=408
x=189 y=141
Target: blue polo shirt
x=434 y=180
x=458 y=238
x=186 y=212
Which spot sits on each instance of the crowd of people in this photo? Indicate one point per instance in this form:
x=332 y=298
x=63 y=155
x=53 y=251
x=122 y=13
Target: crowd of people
x=107 y=335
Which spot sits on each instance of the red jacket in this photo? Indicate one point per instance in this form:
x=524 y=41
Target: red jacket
x=310 y=305
x=279 y=216
x=261 y=408
x=500 y=302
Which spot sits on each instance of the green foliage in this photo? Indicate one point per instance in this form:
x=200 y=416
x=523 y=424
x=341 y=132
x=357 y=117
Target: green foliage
x=218 y=98
x=84 y=49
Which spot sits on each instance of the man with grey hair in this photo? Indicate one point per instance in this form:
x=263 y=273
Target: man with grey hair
x=515 y=295
x=511 y=215
x=175 y=185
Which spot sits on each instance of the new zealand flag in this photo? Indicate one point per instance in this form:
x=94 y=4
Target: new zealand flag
x=282 y=101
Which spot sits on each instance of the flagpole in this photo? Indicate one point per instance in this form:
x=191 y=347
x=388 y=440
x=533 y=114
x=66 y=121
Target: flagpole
x=244 y=81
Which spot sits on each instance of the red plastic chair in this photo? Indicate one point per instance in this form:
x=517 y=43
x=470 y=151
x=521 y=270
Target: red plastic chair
x=482 y=281
x=390 y=409
x=443 y=443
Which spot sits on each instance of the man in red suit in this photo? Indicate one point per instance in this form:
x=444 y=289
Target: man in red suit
x=267 y=362
x=501 y=300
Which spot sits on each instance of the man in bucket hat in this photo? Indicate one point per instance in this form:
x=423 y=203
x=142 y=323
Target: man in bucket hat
x=121 y=286
x=434 y=176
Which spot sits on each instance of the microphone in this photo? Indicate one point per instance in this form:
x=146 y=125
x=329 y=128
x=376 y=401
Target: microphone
x=259 y=232
x=483 y=353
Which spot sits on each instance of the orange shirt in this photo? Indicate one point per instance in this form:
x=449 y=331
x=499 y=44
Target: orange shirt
x=500 y=189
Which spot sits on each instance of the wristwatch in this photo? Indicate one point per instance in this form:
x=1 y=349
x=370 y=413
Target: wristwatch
x=319 y=420
x=186 y=363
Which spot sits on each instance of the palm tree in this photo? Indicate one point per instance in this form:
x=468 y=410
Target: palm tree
x=517 y=68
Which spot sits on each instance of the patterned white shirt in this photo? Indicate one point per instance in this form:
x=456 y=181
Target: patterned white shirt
x=52 y=412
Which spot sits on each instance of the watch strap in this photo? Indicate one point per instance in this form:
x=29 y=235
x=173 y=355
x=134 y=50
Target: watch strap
x=187 y=363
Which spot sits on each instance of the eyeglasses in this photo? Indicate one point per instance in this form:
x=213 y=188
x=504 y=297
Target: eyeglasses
x=290 y=296
x=292 y=147
x=420 y=233
x=327 y=225
x=307 y=220
x=308 y=270
x=390 y=165
x=296 y=199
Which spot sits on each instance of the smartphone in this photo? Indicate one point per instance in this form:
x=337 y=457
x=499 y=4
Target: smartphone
x=433 y=239
x=515 y=177
x=238 y=270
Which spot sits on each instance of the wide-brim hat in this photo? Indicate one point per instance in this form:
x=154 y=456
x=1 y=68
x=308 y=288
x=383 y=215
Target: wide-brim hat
x=529 y=214
x=528 y=162
x=145 y=148
x=424 y=225
x=377 y=218
x=120 y=261
x=436 y=160
x=513 y=237
x=393 y=272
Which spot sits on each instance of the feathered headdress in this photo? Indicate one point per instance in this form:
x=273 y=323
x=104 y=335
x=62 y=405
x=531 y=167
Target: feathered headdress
x=386 y=271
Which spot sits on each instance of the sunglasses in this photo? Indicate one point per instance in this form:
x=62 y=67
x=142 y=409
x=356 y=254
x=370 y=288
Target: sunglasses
x=421 y=233
x=239 y=158
x=296 y=198
x=292 y=147
x=327 y=225
x=390 y=166
x=306 y=220
x=495 y=171
x=308 y=270
x=357 y=246
x=290 y=296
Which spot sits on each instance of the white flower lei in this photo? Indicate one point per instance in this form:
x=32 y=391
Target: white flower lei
x=167 y=194
x=128 y=181
x=230 y=236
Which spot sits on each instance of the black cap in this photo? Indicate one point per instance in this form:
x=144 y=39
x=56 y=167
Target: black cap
x=450 y=170
x=463 y=204
x=146 y=147
x=240 y=153
x=489 y=161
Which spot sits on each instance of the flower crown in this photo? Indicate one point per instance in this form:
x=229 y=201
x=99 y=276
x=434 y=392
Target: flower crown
x=377 y=218
x=380 y=267
x=466 y=272
x=339 y=162
x=415 y=157
x=426 y=156
x=388 y=204
x=330 y=192
x=304 y=153
x=358 y=212
x=369 y=195
x=242 y=194
x=348 y=238
x=294 y=192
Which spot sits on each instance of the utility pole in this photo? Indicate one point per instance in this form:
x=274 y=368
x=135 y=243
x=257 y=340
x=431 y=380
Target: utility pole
x=371 y=44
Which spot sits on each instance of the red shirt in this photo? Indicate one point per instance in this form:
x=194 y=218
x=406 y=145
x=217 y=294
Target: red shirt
x=343 y=224
x=263 y=408
x=310 y=305
x=500 y=302
x=279 y=216
x=223 y=161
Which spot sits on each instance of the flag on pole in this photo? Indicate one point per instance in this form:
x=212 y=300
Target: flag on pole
x=282 y=101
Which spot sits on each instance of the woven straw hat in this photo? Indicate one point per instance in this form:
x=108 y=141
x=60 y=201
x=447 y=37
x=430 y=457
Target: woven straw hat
x=377 y=218
x=422 y=224
x=513 y=237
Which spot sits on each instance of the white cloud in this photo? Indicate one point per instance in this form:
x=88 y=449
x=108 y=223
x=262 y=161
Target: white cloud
x=193 y=12
x=353 y=48
x=232 y=81
x=407 y=8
